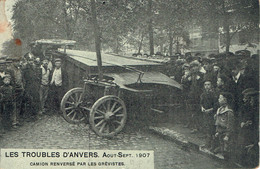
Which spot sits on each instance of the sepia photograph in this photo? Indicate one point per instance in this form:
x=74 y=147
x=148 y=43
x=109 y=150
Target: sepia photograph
x=129 y=84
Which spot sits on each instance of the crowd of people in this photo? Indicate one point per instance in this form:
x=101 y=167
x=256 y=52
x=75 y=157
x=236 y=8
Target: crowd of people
x=220 y=94
x=28 y=86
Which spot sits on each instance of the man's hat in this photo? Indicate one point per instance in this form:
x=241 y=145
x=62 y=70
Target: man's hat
x=223 y=77
x=13 y=59
x=228 y=96
x=185 y=65
x=9 y=60
x=206 y=60
x=250 y=92
x=243 y=53
x=57 y=60
x=194 y=63
x=2 y=62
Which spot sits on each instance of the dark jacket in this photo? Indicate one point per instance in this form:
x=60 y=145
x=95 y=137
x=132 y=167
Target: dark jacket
x=6 y=93
x=196 y=87
x=209 y=100
x=225 y=120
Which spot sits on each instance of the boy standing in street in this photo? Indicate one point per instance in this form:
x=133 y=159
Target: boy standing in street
x=208 y=103
x=225 y=124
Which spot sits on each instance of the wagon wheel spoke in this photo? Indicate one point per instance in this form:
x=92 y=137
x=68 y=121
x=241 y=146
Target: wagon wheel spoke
x=102 y=127
x=118 y=109
x=99 y=123
x=98 y=117
x=85 y=108
x=117 y=122
x=81 y=115
x=108 y=105
x=104 y=107
x=73 y=117
x=69 y=103
x=72 y=98
x=119 y=115
x=100 y=112
x=72 y=111
x=69 y=108
x=113 y=107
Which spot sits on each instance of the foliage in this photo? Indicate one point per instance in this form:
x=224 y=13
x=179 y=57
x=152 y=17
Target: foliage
x=126 y=22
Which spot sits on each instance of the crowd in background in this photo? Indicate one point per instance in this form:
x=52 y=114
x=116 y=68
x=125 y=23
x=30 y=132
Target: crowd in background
x=220 y=94
x=28 y=86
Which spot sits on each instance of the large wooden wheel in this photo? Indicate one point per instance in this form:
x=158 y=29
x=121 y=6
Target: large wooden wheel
x=76 y=107
x=108 y=116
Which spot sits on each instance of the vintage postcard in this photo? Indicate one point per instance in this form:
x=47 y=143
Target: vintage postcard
x=129 y=84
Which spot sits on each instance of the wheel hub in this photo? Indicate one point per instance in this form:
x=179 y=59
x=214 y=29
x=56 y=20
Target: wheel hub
x=108 y=115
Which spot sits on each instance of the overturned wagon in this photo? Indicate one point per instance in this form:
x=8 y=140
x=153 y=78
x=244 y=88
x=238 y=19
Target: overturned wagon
x=105 y=103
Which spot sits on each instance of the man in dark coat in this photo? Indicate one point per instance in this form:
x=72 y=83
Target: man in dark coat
x=18 y=91
x=58 y=84
x=239 y=84
x=32 y=79
x=196 y=86
x=248 y=136
x=6 y=104
x=3 y=71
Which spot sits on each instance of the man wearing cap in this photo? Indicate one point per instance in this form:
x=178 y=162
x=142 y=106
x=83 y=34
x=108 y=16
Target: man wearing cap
x=196 y=82
x=45 y=80
x=58 y=84
x=247 y=142
x=18 y=90
x=6 y=105
x=239 y=83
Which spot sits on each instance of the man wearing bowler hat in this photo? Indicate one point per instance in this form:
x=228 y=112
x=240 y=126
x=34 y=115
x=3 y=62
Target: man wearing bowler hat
x=58 y=83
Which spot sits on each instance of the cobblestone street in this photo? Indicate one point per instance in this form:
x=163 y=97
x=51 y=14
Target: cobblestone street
x=53 y=132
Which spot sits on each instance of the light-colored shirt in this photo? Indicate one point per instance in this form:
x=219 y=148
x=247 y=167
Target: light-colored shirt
x=237 y=77
x=50 y=67
x=45 y=76
x=202 y=70
x=18 y=77
x=2 y=74
x=56 y=77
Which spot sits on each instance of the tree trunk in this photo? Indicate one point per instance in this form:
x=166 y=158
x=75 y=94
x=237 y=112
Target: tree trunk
x=177 y=45
x=150 y=27
x=161 y=47
x=226 y=27
x=228 y=38
x=171 y=42
x=141 y=43
x=97 y=38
